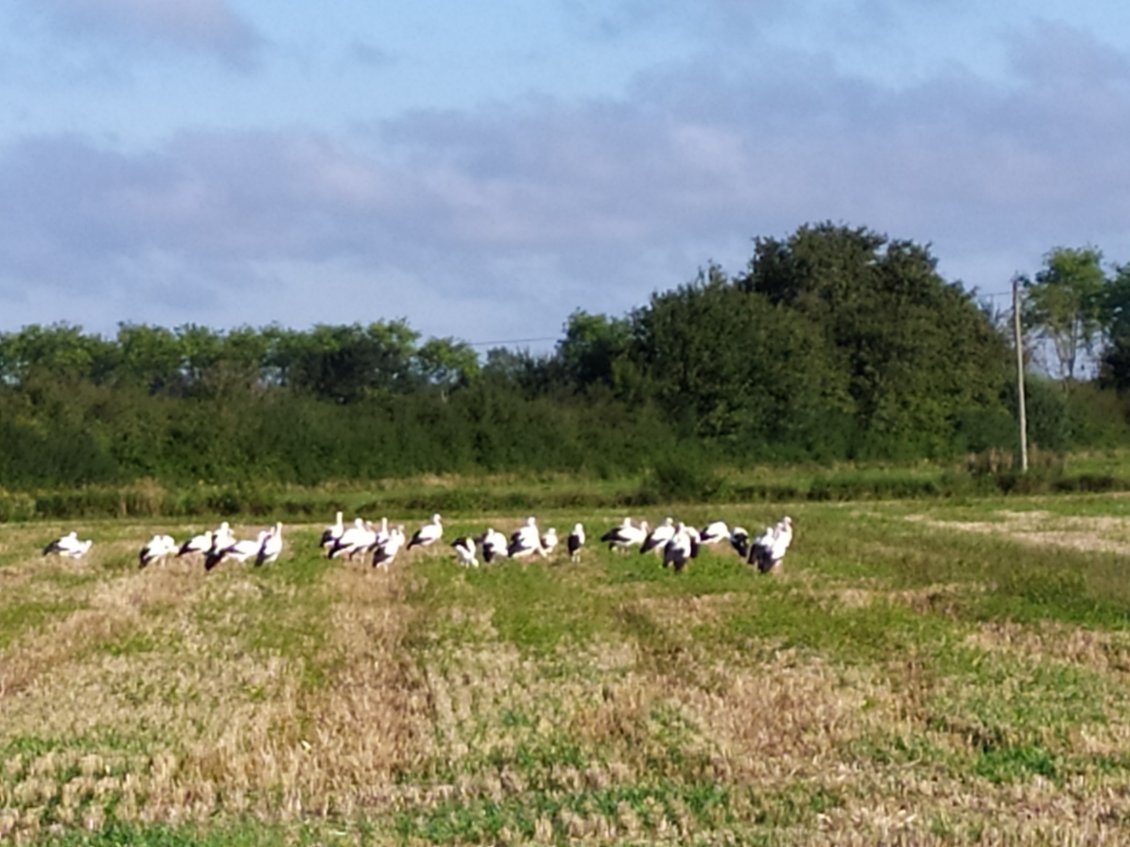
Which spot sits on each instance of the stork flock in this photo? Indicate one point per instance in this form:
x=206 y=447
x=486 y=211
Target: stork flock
x=675 y=543
x=213 y=546
x=678 y=543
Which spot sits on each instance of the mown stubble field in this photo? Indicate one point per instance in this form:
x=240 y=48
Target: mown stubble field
x=919 y=673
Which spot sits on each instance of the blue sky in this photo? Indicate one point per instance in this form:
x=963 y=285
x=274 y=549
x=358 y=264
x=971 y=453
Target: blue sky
x=483 y=170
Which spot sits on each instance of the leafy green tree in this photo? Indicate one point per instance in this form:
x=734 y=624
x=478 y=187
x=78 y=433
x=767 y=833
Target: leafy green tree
x=534 y=375
x=240 y=364
x=1064 y=305
x=201 y=348
x=591 y=347
x=1115 y=304
x=151 y=357
x=1114 y=370
x=347 y=363
x=728 y=366
x=60 y=350
x=915 y=351
x=447 y=364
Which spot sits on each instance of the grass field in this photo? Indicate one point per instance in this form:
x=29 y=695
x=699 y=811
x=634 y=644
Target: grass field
x=921 y=672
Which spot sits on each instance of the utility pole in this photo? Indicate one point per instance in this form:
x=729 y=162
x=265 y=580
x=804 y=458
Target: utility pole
x=1020 y=374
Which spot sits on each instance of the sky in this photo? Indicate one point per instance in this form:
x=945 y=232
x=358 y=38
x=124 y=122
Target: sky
x=483 y=170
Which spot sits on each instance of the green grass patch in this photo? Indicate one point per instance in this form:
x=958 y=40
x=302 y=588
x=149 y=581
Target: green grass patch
x=633 y=810
x=534 y=606
x=134 y=643
x=239 y=833
x=880 y=631
x=1015 y=763
x=22 y=617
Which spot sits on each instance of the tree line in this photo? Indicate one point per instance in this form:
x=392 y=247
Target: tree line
x=832 y=343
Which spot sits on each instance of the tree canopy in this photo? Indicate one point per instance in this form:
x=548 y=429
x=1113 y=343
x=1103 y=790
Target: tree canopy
x=1064 y=304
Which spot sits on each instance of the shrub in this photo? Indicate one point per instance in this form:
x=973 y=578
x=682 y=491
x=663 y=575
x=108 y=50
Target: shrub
x=16 y=506
x=681 y=479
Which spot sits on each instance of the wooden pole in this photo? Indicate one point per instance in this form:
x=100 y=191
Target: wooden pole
x=1020 y=374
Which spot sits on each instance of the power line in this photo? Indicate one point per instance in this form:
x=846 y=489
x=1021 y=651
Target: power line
x=509 y=341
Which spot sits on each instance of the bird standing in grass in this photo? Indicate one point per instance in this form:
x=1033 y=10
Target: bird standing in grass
x=680 y=549
x=332 y=533
x=575 y=542
x=156 y=549
x=739 y=541
x=271 y=547
x=493 y=543
x=201 y=543
x=464 y=547
x=714 y=532
x=549 y=541
x=625 y=535
x=696 y=540
x=385 y=553
x=69 y=546
x=658 y=536
x=380 y=536
x=240 y=550
x=222 y=538
x=525 y=541
x=768 y=550
x=355 y=538
x=428 y=534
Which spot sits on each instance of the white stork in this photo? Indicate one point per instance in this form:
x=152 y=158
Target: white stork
x=222 y=541
x=355 y=538
x=658 y=536
x=156 y=549
x=201 y=543
x=493 y=543
x=714 y=532
x=382 y=535
x=69 y=546
x=575 y=542
x=332 y=533
x=769 y=548
x=271 y=547
x=464 y=547
x=679 y=549
x=222 y=537
x=625 y=535
x=428 y=534
x=739 y=540
x=385 y=553
x=525 y=541
x=241 y=551
x=549 y=541
x=696 y=540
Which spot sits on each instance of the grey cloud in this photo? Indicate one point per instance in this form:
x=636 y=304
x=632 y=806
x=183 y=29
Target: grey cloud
x=496 y=223
x=1056 y=56
x=707 y=19
x=210 y=27
x=368 y=54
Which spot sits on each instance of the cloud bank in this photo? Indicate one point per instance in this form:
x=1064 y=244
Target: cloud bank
x=496 y=220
